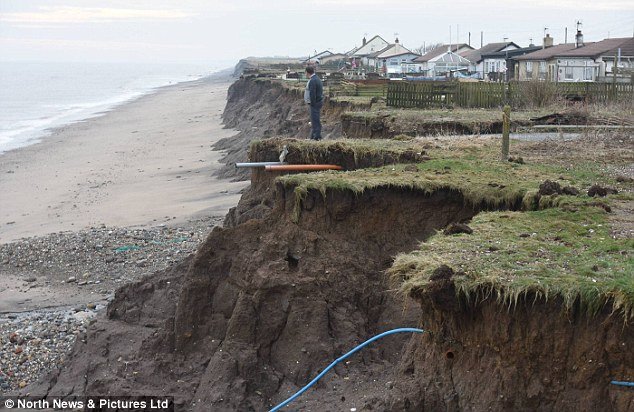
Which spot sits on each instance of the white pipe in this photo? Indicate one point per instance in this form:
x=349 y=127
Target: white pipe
x=259 y=164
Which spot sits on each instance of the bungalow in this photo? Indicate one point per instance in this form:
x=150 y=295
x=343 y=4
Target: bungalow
x=540 y=65
x=368 y=47
x=589 y=62
x=446 y=56
x=477 y=61
x=577 y=61
x=392 y=59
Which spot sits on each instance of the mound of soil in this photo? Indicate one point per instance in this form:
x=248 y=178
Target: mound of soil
x=455 y=228
x=549 y=187
x=601 y=191
x=571 y=118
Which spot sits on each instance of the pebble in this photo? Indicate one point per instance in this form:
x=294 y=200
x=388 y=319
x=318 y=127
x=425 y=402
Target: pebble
x=33 y=343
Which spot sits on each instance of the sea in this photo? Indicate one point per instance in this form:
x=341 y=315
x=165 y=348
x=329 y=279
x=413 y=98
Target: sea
x=36 y=96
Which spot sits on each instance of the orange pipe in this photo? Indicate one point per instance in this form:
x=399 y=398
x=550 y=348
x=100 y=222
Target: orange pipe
x=301 y=168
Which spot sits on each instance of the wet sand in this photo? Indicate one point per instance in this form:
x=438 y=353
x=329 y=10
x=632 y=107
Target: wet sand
x=144 y=163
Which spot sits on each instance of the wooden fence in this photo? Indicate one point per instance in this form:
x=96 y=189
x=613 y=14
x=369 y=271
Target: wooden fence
x=371 y=88
x=420 y=94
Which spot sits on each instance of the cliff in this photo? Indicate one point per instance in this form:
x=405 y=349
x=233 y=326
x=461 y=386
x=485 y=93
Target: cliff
x=298 y=276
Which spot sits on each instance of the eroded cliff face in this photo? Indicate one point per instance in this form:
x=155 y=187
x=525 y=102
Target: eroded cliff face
x=531 y=356
x=269 y=300
x=264 y=305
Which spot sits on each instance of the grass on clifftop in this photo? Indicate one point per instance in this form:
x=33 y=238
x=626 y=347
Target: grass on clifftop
x=471 y=169
x=466 y=116
x=566 y=252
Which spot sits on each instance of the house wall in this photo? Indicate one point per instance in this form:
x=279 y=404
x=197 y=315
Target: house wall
x=398 y=64
x=537 y=70
x=372 y=46
x=569 y=69
x=491 y=66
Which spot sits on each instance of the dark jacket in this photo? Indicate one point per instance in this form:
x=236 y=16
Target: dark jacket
x=316 y=90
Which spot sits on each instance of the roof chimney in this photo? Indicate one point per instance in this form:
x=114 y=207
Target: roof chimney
x=548 y=41
x=364 y=41
x=396 y=41
x=579 y=39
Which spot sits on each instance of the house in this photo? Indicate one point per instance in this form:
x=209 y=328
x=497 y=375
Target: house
x=392 y=59
x=494 y=65
x=590 y=62
x=539 y=65
x=447 y=57
x=368 y=47
x=505 y=60
x=577 y=61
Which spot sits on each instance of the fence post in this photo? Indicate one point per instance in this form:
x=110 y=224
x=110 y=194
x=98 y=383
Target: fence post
x=506 y=129
x=614 y=68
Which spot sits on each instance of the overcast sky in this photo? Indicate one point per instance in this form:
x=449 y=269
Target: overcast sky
x=217 y=30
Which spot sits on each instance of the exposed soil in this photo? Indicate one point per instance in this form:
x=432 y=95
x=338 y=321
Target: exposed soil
x=258 y=199
x=263 y=306
x=532 y=356
x=385 y=126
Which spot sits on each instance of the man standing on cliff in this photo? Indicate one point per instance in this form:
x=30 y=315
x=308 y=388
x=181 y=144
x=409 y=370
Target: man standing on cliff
x=314 y=96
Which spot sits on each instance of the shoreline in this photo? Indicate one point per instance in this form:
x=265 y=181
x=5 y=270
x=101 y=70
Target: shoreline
x=150 y=157
x=218 y=76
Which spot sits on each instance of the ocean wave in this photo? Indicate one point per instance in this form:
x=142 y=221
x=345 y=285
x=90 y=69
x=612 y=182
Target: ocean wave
x=26 y=122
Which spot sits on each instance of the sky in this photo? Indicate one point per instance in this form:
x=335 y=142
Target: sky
x=188 y=31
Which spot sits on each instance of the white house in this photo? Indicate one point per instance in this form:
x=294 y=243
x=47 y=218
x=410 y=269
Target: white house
x=367 y=48
x=395 y=58
x=493 y=65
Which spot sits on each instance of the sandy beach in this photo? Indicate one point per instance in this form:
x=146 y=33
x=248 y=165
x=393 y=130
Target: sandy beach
x=99 y=204
x=144 y=163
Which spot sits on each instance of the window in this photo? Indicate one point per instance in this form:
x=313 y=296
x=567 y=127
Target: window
x=568 y=73
x=393 y=62
x=529 y=69
x=542 y=67
x=588 y=73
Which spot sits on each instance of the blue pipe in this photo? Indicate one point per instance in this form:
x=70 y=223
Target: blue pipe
x=622 y=383
x=353 y=351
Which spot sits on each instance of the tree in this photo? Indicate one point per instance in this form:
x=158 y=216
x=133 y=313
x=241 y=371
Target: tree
x=426 y=48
